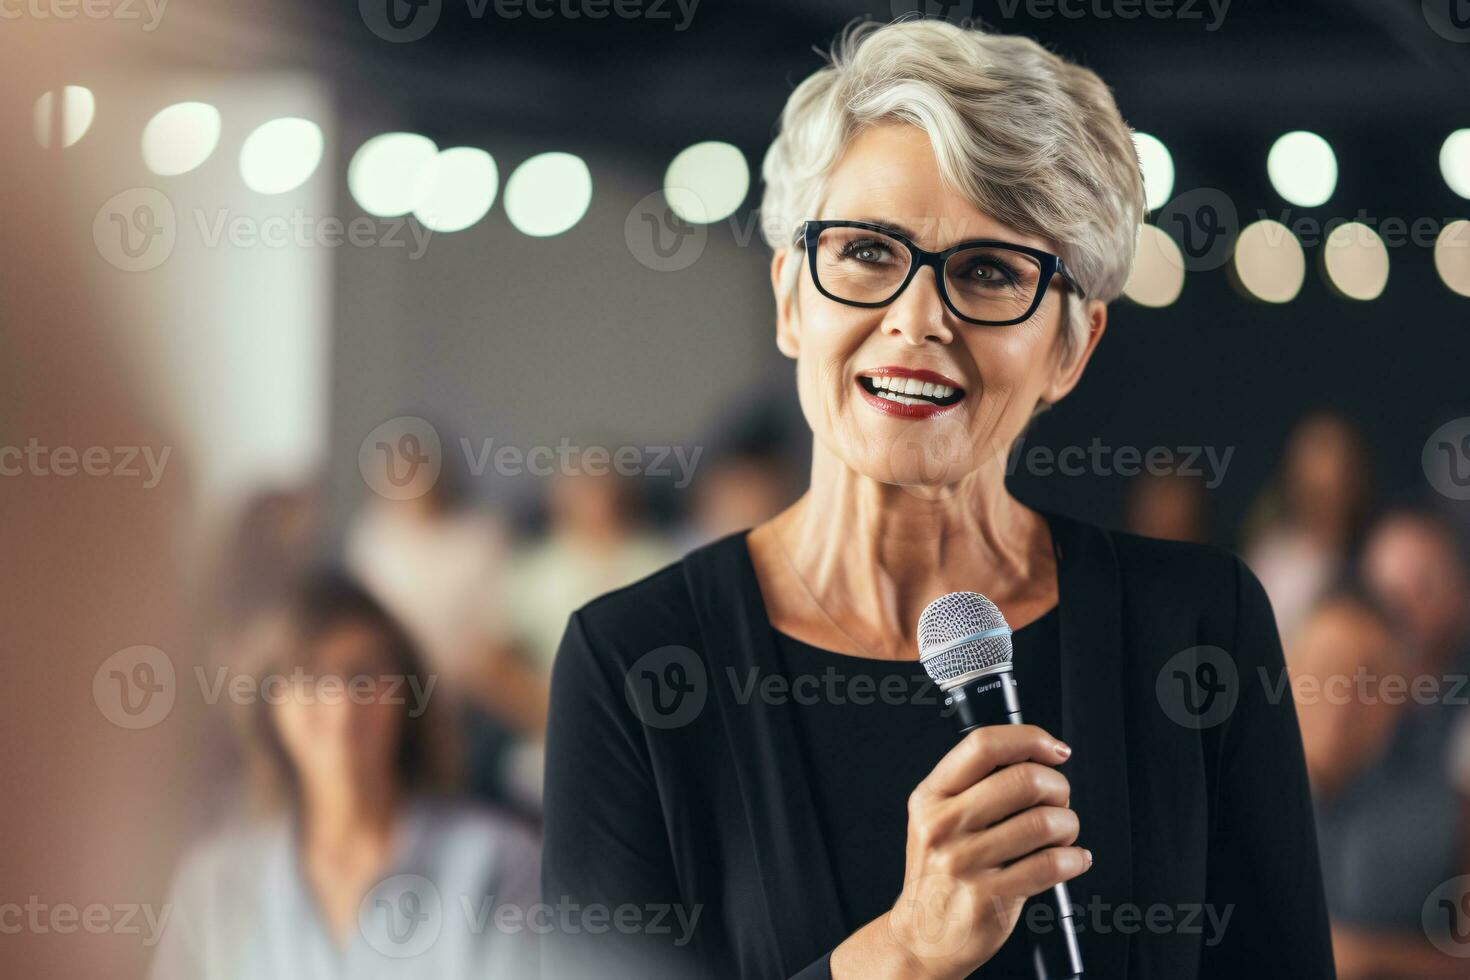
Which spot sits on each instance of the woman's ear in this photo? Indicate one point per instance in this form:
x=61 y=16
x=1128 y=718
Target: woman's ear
x=787 y=339
x=1068 y=374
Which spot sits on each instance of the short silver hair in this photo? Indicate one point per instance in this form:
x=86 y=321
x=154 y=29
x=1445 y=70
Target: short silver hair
x=1029 y=138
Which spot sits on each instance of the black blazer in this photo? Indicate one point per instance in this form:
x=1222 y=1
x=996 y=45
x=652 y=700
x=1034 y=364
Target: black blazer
x=665 y=792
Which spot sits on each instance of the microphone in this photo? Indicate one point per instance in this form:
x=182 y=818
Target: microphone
x=965 y=647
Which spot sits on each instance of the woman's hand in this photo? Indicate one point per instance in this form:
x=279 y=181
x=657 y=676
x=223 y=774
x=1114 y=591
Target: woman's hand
x=988 y=828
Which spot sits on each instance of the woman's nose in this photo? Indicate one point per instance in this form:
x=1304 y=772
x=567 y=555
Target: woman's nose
x=918 y=315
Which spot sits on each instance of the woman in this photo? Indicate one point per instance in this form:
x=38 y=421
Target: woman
x=744 y=740
x=1308 y=525
x=362 y=873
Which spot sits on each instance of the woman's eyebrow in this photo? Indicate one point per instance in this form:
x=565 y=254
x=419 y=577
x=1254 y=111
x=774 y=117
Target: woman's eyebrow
x=892 y=226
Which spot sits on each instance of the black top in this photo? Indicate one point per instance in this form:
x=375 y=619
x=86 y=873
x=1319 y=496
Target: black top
x=875 y=729
x=684 y=799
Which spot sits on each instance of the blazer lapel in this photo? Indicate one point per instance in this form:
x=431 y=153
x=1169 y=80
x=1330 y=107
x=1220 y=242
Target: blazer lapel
x=1092 y=695
x=802 y=908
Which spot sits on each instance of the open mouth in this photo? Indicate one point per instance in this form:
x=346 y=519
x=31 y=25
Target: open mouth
x=910 y=390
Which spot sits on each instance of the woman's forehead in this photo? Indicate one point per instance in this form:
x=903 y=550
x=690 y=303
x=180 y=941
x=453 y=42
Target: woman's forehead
x=889 y=176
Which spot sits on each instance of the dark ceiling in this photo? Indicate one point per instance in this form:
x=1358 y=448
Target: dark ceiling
x=657 y=79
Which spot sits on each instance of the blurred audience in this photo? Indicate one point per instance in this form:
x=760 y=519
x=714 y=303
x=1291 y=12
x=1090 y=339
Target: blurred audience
x=1306 y=526
x=264 y=557
x=1389 y=820
x=1169 y=506
x=735 y=492
x=355 y=854
x=1414 y=563
x=595 y=542
x=439 y=567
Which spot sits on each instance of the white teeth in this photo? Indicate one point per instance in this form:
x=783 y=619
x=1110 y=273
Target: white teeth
x=904 y=390
x=902 y=399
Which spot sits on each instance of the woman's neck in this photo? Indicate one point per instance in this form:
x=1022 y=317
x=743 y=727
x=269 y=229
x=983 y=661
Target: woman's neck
x=866 y=557
x=348 y=816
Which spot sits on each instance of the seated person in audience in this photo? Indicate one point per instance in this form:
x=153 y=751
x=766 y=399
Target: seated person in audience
x=357 y=870
x=1389 y=819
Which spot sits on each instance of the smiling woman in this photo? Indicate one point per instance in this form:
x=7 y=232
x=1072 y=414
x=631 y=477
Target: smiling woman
x=951 y=211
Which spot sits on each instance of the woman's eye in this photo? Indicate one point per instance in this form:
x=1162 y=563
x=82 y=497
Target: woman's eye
x=865 y=251
x=994 y=273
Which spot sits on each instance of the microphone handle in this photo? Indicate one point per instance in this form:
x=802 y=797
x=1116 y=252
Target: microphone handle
x=991 y=699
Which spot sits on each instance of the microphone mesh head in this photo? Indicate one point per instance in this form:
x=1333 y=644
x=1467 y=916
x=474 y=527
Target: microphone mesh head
x=952 y=617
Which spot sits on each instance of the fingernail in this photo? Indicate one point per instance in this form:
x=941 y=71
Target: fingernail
x=1063 y=749
x=1089 y=856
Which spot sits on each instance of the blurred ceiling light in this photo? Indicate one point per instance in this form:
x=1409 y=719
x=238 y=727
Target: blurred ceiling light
x=1452 y=256
x=1158 y=169
x=386 y=173
x=1356 y=261
x=1158 y=269
x=1269 y=262
x=548 y=194
x=715 y=173
x=280 y=155
x=457 y=188
x=1454 y=161
x=180 y=138
x=78 y=106
x=1302 y=168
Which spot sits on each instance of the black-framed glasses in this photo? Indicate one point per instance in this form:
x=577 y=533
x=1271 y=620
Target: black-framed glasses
x=990 y=283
